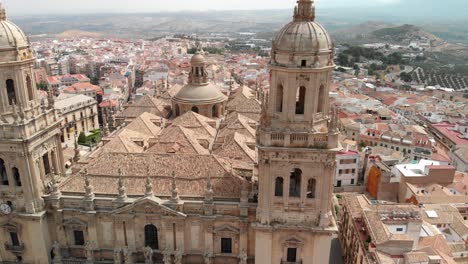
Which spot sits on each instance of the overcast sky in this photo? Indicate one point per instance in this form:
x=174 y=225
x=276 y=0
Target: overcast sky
x=20 y=7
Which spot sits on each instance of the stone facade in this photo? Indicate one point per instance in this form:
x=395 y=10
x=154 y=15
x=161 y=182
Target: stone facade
x=30 y=151
x=186 y=189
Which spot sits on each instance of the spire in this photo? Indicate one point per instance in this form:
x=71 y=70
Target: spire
x=77 y=155
x=2 y=12
x=50 y=99
x=304 y=11
x=149 y=185
x=174 y=192
x=122 y=190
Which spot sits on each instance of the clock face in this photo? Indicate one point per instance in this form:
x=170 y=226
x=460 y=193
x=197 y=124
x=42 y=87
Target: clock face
x=5 y=209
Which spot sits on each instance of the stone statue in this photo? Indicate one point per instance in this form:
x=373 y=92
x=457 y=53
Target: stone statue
x=178 y=256
x=89 y=250
x=243 y=257
x=127 y=256
x=208 y=256
x=167 y=259
x=117 y=256
x=148 y=252
x=57 y=252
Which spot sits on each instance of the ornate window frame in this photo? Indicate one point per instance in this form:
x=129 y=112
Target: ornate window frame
x=226 y=231
x=292 y=242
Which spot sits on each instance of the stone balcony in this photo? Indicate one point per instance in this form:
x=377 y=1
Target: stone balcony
x=296 y=140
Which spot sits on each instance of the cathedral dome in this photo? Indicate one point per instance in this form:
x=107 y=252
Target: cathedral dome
x=200 y=94
x=14 y=44
x=199 y=90
x=303 y=42
x=303 y=37
x=198 y=59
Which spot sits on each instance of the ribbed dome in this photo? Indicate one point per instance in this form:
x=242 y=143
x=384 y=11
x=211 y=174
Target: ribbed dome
x=14 y=44
x=199 y=91
x=303 y=43
x=11 y=36
x=303 y=37
x=199 y=94
x=197 y=59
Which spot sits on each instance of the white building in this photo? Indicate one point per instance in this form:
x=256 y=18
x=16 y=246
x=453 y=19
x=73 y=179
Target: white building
x=79 y=113
x=347 y=168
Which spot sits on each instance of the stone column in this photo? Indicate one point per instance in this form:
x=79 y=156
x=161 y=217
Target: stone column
x=180 y=235
x=208 y=231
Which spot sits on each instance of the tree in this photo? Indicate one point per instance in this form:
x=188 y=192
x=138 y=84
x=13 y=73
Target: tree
x=42 y=86
x=82 y=138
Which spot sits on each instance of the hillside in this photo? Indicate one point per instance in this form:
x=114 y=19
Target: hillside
x=406 y=33
x=360 y=30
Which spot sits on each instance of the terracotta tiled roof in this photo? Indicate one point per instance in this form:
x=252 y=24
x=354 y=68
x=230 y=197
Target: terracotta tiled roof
x=180 y=140
x=191 y=172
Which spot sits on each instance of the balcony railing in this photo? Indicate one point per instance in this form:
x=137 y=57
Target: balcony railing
x=14 y=248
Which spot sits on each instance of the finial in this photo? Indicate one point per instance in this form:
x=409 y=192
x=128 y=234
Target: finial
x=89 y=193
x=2 y=12
x=122 y=190
x=174 y=191
x=50 y=99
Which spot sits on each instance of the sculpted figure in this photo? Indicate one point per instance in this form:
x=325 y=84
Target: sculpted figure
x=178 y=256
x=117 y=256
x=243 y=257
x=57 y=252
x=148 y=252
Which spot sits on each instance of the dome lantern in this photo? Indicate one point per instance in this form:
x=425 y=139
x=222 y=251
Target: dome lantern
x=305 y=11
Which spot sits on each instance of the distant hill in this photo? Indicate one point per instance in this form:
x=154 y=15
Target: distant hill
x=78 y=34
x=360 y=30
x=403 y=34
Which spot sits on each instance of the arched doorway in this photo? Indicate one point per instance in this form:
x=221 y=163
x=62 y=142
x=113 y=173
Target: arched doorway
x=195 y=109
x=151 y=237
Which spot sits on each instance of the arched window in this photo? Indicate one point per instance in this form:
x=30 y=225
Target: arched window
x=195 y=109
x=11 y=93
x=321 y=100
x=279 y=182
x=3 y=173
x=177 y=110
x=300 y=100
x=279 y=99
x=151 y=237
x=295 y=183
x=16 y=176
x=215 y=111
x=311 y=188
x=30 y=88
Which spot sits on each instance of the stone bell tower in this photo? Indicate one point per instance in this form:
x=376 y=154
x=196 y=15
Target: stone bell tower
x=30 y=149
x=297 y=143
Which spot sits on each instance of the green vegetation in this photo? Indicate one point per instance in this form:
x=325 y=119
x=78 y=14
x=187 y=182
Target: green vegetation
x=42 y=86
x=406 y=77
x=355 y=55
x=395 y=31
x=92 y=139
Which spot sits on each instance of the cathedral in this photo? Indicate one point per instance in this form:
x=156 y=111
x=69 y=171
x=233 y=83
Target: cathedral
x=217 y=178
